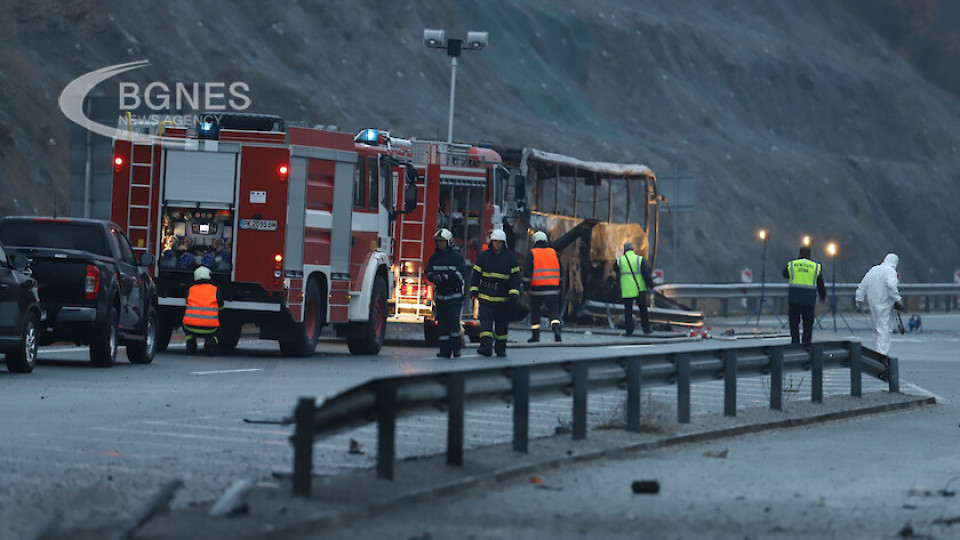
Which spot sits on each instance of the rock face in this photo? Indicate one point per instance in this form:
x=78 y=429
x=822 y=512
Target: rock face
x=795 y=117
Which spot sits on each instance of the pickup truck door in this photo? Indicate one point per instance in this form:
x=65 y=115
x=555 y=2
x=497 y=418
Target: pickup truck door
x=131 y=283
x=9 y=292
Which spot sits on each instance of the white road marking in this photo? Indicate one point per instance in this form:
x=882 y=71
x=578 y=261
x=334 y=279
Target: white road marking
x=224 y=371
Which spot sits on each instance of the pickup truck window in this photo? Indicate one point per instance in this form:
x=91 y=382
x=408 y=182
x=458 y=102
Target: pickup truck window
x=126 y=252
x=53 y=234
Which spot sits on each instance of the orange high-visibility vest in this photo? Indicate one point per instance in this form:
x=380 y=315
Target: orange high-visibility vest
x=546 y=268
x=202 y=308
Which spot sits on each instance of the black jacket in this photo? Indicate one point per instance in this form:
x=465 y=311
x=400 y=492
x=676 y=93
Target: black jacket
x=496 y=276
x=447 y=270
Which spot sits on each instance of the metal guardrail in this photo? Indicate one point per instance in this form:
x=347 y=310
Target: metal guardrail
x=779 y=290
x=385 y=400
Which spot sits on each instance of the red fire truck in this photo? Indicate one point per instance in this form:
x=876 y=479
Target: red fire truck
x=464 y=187
x=294 y=223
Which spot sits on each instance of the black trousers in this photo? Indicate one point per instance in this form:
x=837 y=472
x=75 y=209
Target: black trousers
x=210 y=336
x=550 y=301
x=494 y=321
x=447 y=313
x=628 y=313
x=797 y=312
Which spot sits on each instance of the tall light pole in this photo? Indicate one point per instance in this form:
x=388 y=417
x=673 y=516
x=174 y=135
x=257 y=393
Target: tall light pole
x=437 y=39
x=832 y=251
x=806 y=240
x=762 y=234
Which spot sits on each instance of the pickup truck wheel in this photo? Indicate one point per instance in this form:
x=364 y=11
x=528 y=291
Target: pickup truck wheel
x=142 y=352
x=302 y=337
x=367 y=337
x=103 y=345
x=24 y=357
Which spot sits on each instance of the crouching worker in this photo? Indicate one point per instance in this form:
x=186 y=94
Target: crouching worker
x=201 y=318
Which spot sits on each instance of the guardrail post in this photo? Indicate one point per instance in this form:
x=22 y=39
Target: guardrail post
x=816 y=373
x=730 y=382
x=521 y=408
x=580 y=400
x=725 y=310
x=456 y=388
x=386 y=428
x=634 y=394
x=776 y=378
x=683 y=388
x=856 y=369
x=303 y=446
x=893 y=375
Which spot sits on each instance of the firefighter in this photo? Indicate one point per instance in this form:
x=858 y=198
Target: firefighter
x=496 y=283
x=445 y=270
x=541 y=278
x=806 y=282
x=201 y=318
x=633 y=274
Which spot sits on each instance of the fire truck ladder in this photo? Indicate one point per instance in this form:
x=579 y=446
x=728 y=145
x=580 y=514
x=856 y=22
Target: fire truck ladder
x=139 y=198
x=416 y=299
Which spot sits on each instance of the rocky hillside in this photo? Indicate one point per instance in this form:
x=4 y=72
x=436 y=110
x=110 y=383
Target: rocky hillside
x=798 y=117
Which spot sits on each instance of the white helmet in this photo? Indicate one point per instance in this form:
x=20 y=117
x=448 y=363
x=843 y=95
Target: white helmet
x=444 y=234
x=498 y=234
x=202 y=272
x=539 y=236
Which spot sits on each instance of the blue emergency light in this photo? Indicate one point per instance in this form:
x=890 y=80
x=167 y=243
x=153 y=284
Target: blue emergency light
x=369 y=136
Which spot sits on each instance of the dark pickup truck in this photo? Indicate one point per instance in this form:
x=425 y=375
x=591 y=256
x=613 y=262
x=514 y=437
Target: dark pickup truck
x=93 y=290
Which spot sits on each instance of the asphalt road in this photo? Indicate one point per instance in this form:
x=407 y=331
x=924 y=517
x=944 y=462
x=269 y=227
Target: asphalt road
x=94 y=444
x=893 y=475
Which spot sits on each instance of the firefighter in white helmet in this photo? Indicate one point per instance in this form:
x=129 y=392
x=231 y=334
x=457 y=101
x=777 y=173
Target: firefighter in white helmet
x=541 y=279
x=496 y=284
x=201 y=316
x=446 y=270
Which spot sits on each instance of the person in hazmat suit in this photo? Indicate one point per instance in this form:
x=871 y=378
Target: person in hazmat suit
x=878 y=289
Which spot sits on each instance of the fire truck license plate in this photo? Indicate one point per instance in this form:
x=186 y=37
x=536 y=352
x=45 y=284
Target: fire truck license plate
x=259 y=224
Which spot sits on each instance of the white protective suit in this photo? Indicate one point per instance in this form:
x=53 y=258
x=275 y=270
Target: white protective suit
x=879 y=289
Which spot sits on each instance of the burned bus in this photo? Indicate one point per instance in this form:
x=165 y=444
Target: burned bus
x=588 y=210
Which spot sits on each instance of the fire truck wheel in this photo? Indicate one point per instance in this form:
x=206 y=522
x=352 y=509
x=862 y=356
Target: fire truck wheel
x=142 y=352
x=367 y=337
x=229 y=335
x=103 y=344
x=302 y=338
x=165 y=326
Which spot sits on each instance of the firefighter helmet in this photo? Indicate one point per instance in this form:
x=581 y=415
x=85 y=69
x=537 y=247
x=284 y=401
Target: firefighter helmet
x=539 y=236
x=498 y=234
x=444 y=234
x=202 y=272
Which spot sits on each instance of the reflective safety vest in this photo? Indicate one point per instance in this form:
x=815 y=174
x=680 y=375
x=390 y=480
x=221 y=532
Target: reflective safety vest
x=546 y=268
x=202 y=308
x=631 y=280
x=803 y=274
